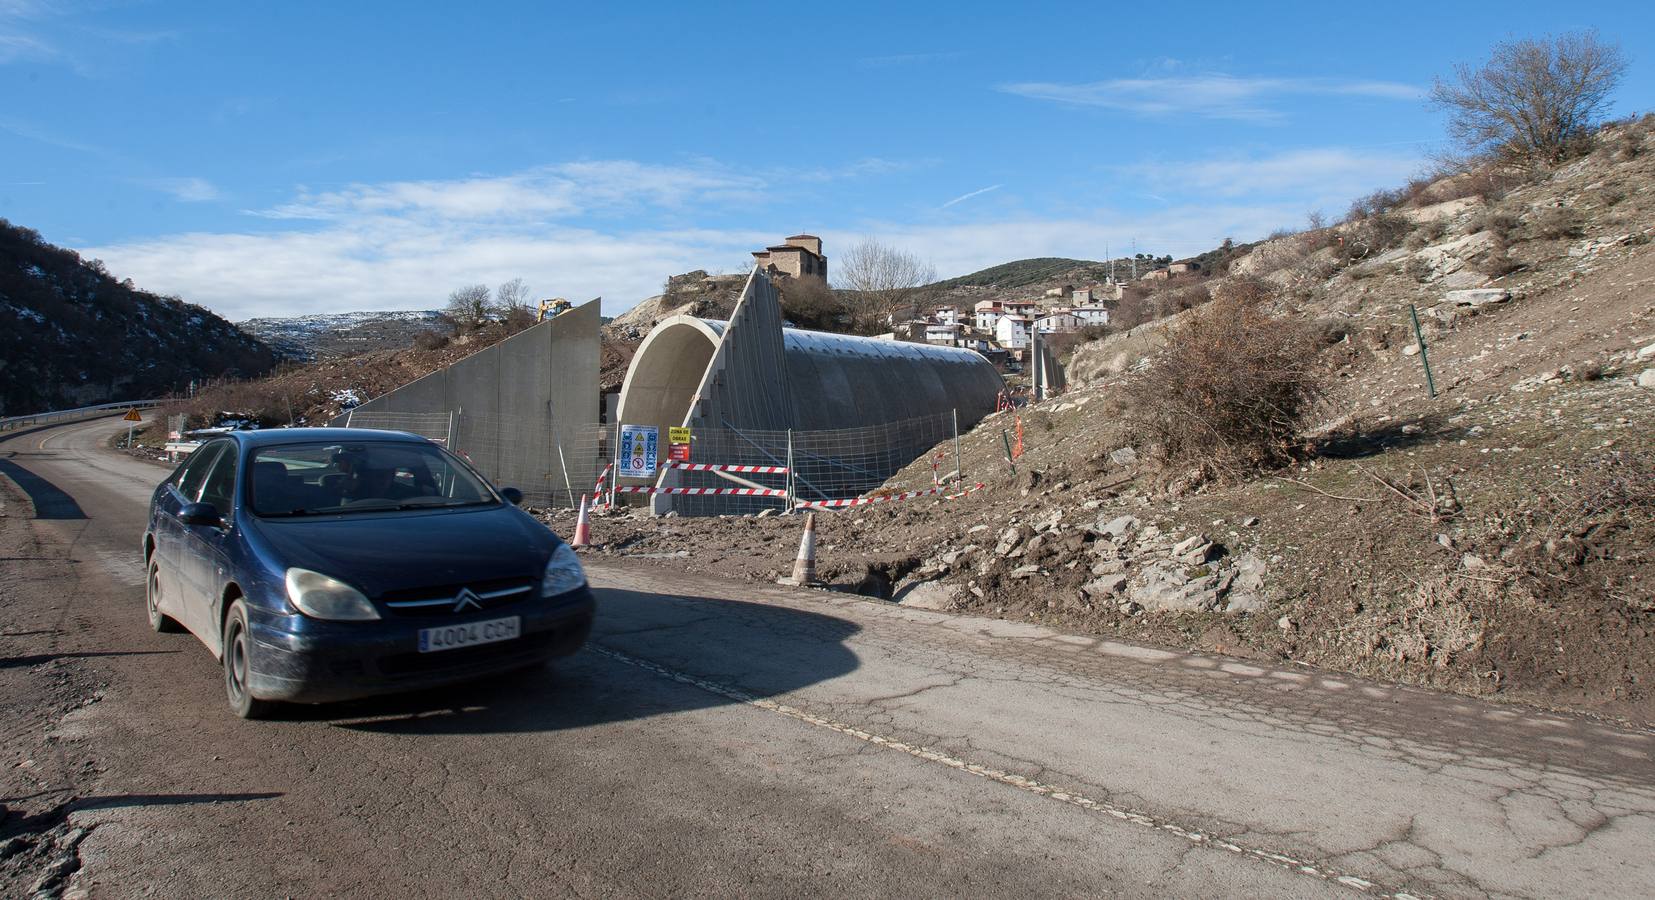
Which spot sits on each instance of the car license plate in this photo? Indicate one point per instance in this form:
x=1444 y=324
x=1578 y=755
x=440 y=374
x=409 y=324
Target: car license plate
x=451 y=637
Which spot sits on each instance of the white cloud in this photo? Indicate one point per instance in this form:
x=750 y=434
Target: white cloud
x=559 y=191
x=190 y=190
x=18 y=47
x=1216 y=95
x=1314 y=174
x=967 y=196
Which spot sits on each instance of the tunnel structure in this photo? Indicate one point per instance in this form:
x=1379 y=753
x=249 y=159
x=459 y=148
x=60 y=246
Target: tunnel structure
x=861 y=408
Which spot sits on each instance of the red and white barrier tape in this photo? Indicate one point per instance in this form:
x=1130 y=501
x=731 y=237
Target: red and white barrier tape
x=599 y=498
x=714 y=467
x=703 y=492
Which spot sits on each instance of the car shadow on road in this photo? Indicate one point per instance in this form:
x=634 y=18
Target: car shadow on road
x=35 y=659
x=643 y=648
x=49 y=501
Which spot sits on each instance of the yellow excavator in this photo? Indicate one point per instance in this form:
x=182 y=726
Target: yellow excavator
x=552 y=308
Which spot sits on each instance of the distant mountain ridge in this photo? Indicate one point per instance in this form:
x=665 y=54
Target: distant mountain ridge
x=323 y=335
x=72 y=335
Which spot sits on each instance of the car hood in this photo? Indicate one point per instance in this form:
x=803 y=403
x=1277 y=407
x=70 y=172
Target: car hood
x=379 y=552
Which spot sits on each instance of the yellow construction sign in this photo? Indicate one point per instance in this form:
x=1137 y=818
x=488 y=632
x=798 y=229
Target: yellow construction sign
x=677 y=435
x=132 y=416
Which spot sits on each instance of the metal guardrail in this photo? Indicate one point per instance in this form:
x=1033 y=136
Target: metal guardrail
x=70 y=415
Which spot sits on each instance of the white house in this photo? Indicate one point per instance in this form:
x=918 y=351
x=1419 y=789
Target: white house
x=1012 y=332
x=987 y=312
x=1091 y=314
x=942 y=333
x=1057 y=322
x=948 y=315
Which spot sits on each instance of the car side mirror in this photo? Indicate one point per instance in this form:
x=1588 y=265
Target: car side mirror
x=201 y=514
x=512 y=495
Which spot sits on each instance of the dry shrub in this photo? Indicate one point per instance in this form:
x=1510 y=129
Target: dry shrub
x=1607 y=197
x=1175 y=300
x=430 y=339
x=1376 y=203
x=1244 y=290
x=1229 y=393
x=1132 y=309
x=262 y=401
x=1371 y=236
x=1498 y=261
x=1426 y=234
x=1591 y=531
x=1498 y=222
x=1557 y=222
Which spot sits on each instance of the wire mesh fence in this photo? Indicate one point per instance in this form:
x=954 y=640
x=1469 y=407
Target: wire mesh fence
x=822 y=465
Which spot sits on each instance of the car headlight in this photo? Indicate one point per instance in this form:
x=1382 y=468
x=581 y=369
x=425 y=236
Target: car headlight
x=320 y=597
x=563 y=573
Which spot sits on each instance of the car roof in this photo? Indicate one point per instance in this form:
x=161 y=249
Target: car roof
x=270 y=436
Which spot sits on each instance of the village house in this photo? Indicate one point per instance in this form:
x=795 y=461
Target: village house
x=947 y=333
x=1018 y=307
x=987 y=312
x=800 y=257
x=1187 y=267
x=1058 y=321
x=947 y=315
x=1091 y=314
x=1081 y=297
x=1012 y=331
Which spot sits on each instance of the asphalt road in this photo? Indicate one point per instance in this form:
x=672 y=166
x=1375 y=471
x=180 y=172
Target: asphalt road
x=721 y=739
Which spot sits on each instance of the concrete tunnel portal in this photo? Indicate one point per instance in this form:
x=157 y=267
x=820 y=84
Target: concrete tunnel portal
x=753 y=376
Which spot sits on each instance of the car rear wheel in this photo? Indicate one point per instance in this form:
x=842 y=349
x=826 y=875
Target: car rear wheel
x=158 y=620
x=238 y=665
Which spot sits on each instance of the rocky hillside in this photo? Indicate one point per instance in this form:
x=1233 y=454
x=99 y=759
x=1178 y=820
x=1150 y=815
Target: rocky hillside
x=332 y=335
x=72 y=335
x=1493 y=539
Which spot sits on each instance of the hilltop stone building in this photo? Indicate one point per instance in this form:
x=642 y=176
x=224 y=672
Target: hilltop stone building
x=799 y=257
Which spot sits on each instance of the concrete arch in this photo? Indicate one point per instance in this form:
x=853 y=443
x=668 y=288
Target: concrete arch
x=666 y=370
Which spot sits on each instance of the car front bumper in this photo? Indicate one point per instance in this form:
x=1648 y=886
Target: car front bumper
x=330 y=661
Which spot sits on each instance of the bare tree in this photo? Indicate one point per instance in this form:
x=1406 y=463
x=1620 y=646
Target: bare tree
x=1534 y=98
x=468 y=306
x=511 y=295
x=883 y=278
x=511 y=304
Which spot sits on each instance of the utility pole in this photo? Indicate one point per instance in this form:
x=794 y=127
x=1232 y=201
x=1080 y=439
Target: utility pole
x=1134 y=259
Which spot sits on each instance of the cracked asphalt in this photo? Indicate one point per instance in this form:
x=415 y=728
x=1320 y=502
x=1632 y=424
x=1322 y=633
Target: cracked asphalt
x=719 y=739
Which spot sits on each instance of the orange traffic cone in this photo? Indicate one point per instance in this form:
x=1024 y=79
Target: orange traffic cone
x=804 y=567
x=583 y=530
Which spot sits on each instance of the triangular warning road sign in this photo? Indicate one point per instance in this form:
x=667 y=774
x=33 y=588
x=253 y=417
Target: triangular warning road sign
x=132 y=416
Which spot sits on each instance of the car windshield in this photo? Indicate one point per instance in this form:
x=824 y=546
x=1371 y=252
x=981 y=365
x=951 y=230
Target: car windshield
x=310 y=479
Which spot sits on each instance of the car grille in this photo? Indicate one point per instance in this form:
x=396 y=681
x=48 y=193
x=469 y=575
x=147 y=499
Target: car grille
x=431 y=602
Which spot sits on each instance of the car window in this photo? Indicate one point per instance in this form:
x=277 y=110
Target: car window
x=196 y=468
x=220 y=484
x=358 y=476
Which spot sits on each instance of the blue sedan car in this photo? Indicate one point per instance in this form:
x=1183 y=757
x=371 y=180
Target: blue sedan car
x=323 y=564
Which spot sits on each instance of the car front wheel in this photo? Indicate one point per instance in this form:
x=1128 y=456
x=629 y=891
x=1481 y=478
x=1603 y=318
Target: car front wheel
x=158 y=620
x=238 y=666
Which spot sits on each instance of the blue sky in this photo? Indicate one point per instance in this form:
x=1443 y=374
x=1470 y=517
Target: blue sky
x=284 y=158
